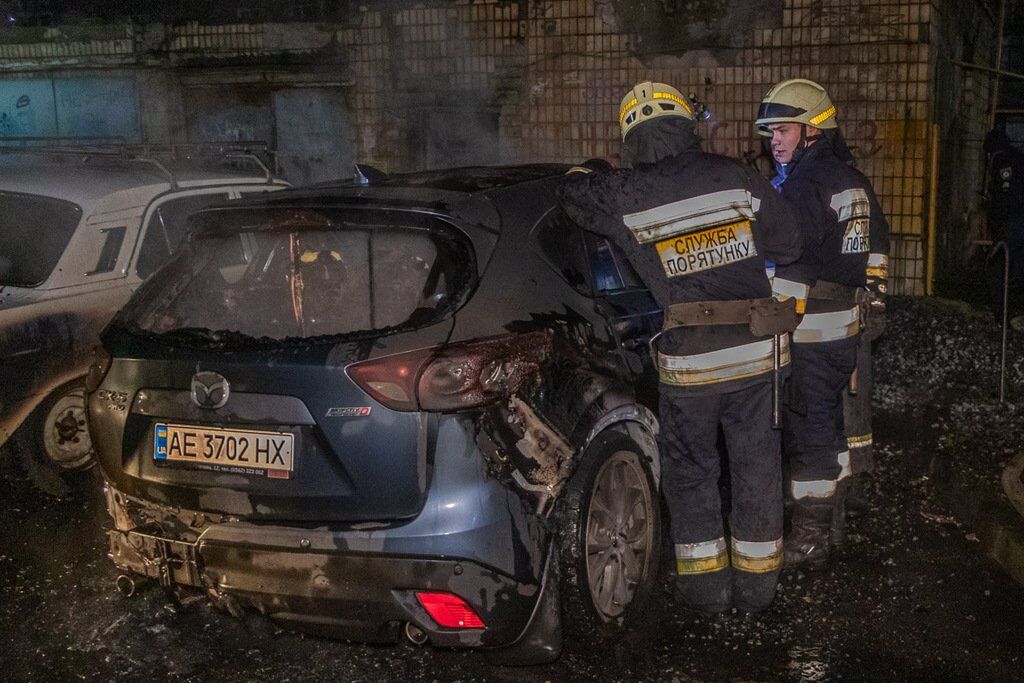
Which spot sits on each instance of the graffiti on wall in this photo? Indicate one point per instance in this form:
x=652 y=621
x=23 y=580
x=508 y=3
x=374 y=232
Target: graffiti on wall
x=69 y=107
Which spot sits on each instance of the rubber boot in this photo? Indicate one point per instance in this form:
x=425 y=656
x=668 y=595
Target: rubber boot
x=706 y=594
x=753 y=593
x=856 y=504
x=837 y=528
x=807 y=543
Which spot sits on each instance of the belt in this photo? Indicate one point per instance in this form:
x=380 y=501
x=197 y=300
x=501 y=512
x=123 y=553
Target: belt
x=833 y=291
x=711 y=313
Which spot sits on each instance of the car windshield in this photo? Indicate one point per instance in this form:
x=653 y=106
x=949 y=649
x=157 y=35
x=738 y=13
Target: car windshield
x=296 y=275
x=34 y=231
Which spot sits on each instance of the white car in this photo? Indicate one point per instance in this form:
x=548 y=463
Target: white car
x=77 y=236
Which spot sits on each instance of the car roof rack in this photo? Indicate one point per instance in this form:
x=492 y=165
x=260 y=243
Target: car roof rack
x=154 y=154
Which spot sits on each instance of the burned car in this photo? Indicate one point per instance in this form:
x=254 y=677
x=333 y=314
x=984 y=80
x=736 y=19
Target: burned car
x=80 y=228
x=417 y=406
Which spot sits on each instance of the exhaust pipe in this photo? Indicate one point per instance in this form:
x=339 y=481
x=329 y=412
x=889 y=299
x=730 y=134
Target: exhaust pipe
x=415 y=635
x=125 y=585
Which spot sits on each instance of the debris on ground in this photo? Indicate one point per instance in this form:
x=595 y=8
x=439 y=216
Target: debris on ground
x=910 y=597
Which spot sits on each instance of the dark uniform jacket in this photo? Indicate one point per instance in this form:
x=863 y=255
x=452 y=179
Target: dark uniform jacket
x=1006 y=203
x=845 y=234
x=696 y=227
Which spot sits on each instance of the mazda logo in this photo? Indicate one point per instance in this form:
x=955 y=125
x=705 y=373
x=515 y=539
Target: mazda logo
x=210 y=390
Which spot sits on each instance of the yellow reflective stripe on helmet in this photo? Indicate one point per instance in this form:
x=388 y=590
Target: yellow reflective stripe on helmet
x=669 y=96
x=824 y=116
x=629 y=105
x=757 y=557
x=701 y=558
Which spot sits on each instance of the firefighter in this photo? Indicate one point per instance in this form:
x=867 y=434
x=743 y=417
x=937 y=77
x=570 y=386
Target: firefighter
x=846 y=241
x=697 y=228
x=1006 y=224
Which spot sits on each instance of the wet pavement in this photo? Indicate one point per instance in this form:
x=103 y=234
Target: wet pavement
x=912 y=596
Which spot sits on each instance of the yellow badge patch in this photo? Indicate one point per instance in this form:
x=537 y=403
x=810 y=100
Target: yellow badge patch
x=696 y=251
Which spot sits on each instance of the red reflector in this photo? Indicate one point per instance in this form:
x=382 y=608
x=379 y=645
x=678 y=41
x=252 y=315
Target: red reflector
x=449 y=611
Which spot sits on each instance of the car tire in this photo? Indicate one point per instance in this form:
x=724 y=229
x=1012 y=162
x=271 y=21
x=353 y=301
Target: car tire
x=53 y=444
x=609 y=539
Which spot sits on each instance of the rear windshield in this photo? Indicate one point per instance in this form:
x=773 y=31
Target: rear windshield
x=301 y=275
x=33 y=234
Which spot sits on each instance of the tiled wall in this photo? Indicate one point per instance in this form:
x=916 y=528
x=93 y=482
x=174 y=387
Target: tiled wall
x=556 y=75
x=541 y=80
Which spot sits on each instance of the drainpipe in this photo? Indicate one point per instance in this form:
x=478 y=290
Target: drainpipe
x=994 y=94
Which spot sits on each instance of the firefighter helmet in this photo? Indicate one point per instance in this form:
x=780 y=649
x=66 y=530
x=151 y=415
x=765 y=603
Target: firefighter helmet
x=648 y=100
x=797 y=100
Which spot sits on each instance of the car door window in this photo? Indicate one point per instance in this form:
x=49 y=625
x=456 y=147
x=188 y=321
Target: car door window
x=113 y=238
x=34 y=231
x=167 y=228
x=561 y=243
x=611 y=270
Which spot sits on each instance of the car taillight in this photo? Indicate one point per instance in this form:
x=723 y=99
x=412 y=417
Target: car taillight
x=391 y=380
x=97 y=370
x=453 y=377
x=449 y=611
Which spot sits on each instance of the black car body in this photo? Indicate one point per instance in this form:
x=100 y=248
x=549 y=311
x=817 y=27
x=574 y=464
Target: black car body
x=445 y=383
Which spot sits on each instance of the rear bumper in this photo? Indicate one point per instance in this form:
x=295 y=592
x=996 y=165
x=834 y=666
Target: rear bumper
x=332 y=592
x=473 y=537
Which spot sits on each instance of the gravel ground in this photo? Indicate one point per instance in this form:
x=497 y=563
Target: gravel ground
x=911 y=597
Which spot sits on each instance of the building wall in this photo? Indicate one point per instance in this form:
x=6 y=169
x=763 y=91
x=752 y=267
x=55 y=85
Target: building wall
x=962 y=32
x=556 y=72
x=488 y=81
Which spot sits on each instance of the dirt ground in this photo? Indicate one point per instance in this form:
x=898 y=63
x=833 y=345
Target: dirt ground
x=912 y=596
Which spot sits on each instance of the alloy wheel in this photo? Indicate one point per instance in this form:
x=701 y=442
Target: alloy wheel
x=619 y=533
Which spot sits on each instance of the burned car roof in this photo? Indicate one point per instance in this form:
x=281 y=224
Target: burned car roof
x=457 y=192
x=424 y=188
x=475 y=178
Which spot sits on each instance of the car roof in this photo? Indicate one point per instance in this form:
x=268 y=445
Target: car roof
x=433 y=190
x=471 y=179
x=435 y=185
x=86 y=182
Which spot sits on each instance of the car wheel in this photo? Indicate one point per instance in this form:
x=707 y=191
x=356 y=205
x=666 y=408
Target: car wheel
x=54 y=442
x=609 y=537
x=64 y=431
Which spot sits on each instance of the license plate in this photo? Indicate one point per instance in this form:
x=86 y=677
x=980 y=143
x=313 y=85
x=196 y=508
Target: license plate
x=232 y=450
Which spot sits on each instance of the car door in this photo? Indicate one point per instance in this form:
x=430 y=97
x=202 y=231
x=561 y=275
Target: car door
x=634 y=315
x=596 y=268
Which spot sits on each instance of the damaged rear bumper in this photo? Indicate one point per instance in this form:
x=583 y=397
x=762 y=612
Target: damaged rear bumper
x=474 y=539
x=338 y=594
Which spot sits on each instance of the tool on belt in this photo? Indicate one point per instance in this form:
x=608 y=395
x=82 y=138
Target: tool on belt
x=766 y=317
